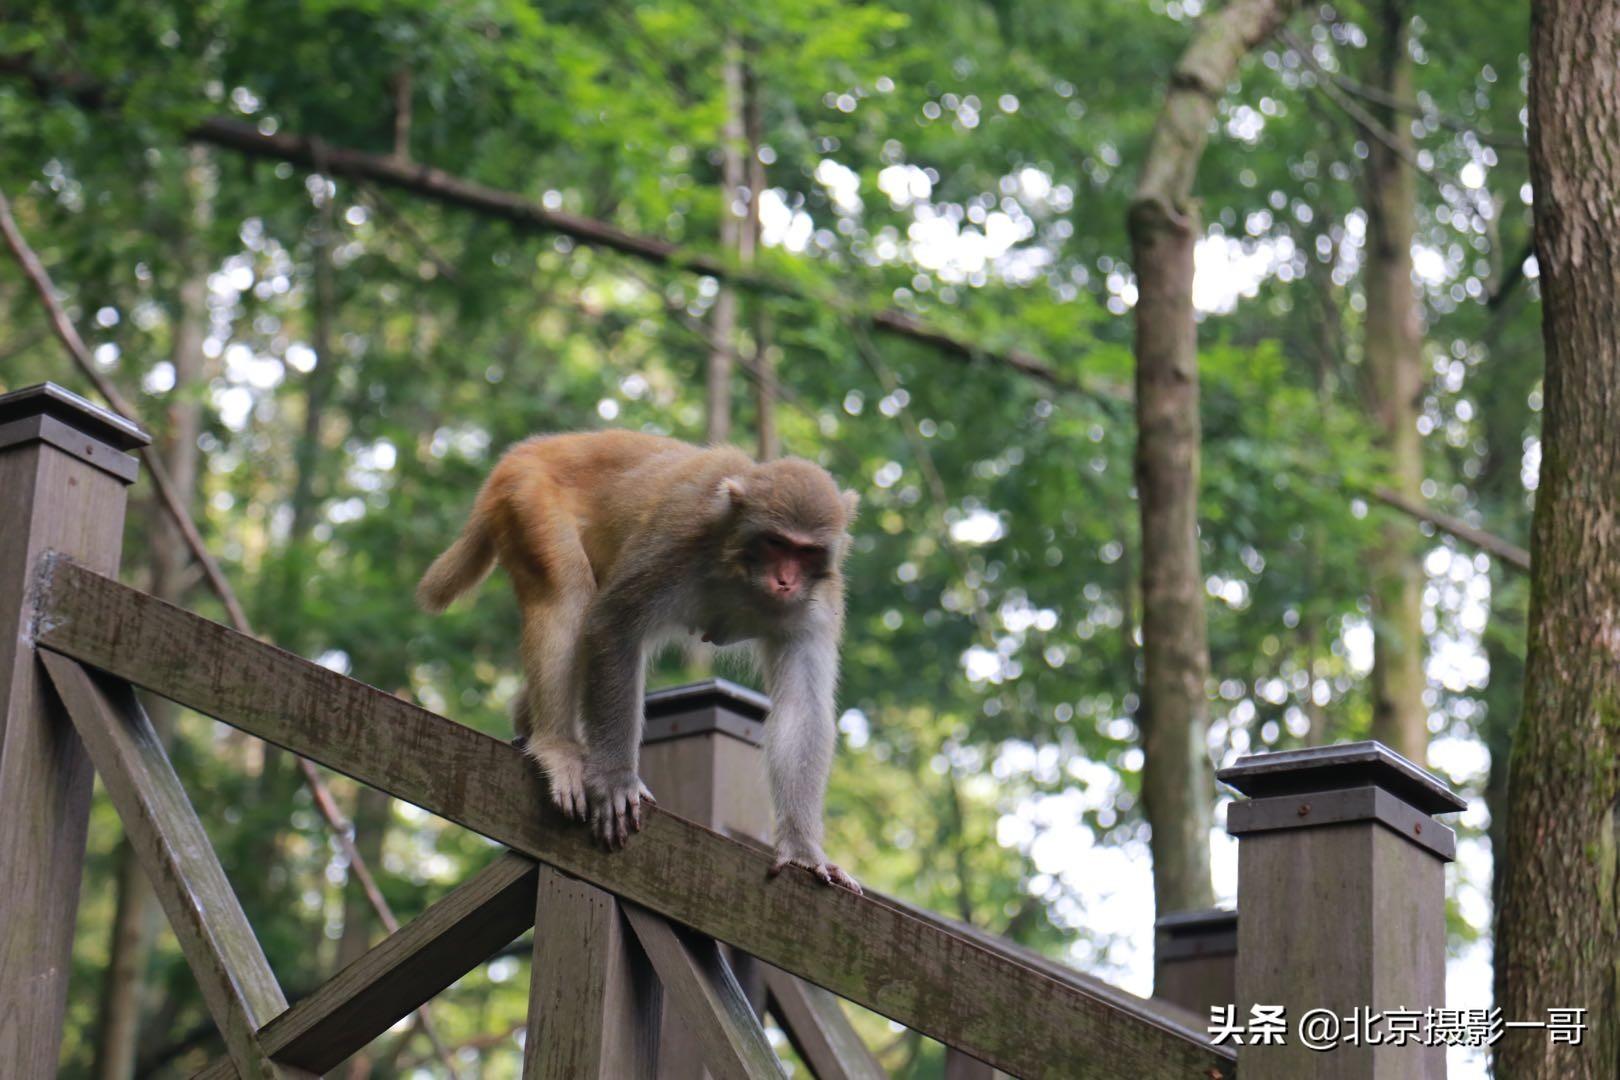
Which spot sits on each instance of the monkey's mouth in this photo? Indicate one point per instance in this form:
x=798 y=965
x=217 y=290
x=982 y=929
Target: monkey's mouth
x=779 y=598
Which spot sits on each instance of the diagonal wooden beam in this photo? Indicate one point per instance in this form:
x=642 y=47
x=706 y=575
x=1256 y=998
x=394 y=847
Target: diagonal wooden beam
x=593 y=1001
x=818 y=1029
x=236 y=981
x=463 y=929
x=701 y=988
x=922 y=975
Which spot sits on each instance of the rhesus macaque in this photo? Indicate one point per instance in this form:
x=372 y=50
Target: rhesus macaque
x=618 y=542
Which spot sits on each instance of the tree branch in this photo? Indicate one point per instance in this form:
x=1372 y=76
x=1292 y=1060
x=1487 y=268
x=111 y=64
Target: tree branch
x=1328 y=83
x=1196 y=86
x=65 y=331
x=1412 y=108
x=427 y=182
x=1512 y=275
x=1511 y=554
x=63 y=326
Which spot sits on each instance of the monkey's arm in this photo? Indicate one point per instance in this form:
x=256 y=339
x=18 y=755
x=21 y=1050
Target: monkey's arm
x=801 y=674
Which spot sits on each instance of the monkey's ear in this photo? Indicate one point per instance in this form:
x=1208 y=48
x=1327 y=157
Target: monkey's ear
x=852 y=502
x=730 y=495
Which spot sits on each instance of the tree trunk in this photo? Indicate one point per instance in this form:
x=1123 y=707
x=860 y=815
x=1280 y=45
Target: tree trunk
x=1394 y=365
x=135 y=918
x=1500 y=491
x=769 y=442
x=282 y=617
x=1560 y=926
x=1177 y=788
x=318 y=394
x=402 y=84
x=723 y=320
x=371 y=815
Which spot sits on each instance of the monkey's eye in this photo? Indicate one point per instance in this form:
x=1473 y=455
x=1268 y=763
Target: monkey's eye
x=783 y=547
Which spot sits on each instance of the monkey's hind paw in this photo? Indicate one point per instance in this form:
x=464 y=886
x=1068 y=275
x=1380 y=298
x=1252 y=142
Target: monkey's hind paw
x=616 y=809
x=568 y=791
x=565 y=777
x=828 y=873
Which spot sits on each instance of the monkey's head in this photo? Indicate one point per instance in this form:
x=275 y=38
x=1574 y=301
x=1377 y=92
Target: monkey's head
x=789 y=526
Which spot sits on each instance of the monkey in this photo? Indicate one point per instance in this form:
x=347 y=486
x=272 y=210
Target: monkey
x=618 y=542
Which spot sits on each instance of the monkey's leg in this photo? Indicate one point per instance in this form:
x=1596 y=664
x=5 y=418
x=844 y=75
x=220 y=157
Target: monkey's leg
x=555 y=584
x=521 y=724
x=615 y=675
x=550 y=639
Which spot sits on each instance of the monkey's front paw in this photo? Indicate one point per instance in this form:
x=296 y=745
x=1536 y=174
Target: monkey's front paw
x=615 y=800
x=817 y=864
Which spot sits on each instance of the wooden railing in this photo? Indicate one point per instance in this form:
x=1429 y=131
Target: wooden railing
x=619 y=938
x=866 y=949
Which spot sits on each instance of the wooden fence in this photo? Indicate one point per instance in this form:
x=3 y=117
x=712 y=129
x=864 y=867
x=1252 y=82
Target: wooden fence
x=628 y=978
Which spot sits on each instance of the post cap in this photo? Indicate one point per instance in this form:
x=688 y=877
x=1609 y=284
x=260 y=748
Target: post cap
x=1197 y=922
x=1184 y=935
x=49 y=399
x=1334 y=768
x=705 y=708
x=721 y=693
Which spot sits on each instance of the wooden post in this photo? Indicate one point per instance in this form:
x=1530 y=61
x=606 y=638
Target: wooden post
x=961 y=1066
x=64 y=474
x=593 y=1001
x=1341 y=882
x=1195 y=958
x=702 y=756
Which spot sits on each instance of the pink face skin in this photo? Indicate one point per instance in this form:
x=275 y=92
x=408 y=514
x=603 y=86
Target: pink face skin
x=791 y=563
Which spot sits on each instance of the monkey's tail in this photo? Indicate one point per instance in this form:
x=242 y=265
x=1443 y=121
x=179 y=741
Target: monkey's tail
x=464 y=564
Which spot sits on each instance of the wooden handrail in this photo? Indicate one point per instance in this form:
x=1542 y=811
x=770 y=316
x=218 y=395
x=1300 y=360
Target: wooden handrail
x=1167 y=1012
x=920 y=974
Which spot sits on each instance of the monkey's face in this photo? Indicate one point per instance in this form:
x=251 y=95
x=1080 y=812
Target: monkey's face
x=789 y=564
x=789 y=525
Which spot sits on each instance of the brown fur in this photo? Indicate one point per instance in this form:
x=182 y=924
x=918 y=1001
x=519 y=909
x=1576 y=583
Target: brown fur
x=613 y=537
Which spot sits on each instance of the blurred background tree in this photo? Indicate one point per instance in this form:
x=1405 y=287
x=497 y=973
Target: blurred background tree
x=341 y=359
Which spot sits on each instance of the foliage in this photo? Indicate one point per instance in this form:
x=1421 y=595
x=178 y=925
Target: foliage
x=969 y=162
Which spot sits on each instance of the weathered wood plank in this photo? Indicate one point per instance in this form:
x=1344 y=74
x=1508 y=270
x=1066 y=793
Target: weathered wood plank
x=1345 y=915
x=701 y=988
x=593 y=1001
x=702 y=755
x=960 y=1066
x=236 y=982
x=1195 y=958
x=861 y=948
x=53 y=495
x=818 y=1029
x=1190 y=1022
x=463 y=929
